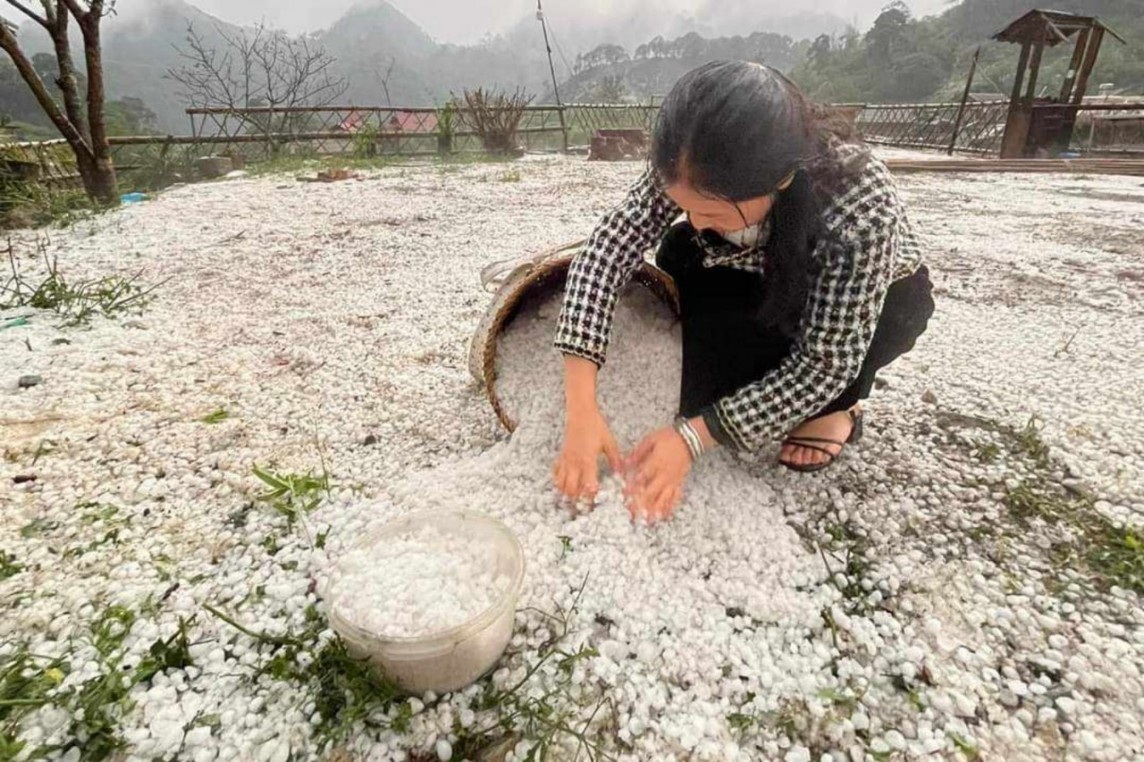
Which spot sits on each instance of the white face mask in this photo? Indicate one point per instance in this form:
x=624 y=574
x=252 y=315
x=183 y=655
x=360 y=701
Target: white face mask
x=745 y=237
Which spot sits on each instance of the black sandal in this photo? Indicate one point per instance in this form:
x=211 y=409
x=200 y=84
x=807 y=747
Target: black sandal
x=816 y=443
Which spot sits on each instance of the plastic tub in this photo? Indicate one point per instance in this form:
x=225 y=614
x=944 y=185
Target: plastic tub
x=451 y=659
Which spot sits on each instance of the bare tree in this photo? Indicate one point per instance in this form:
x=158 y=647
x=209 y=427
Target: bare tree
x=384 y=78
x=495 y=116
x=80 y=119
x=257 y=67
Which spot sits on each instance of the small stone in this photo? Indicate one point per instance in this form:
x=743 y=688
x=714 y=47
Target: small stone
x=941 y=701
x=798 y=754
x=27 y=382
x=444 y=750
x=370 y=440
x=274 y=750
x=929 y=397
x=197 y=737
x=1009 y=699
x=966 y=707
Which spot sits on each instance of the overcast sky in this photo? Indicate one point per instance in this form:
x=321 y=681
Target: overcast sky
x=464 y=21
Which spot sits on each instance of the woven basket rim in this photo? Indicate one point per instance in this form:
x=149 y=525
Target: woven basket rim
x=649 y=276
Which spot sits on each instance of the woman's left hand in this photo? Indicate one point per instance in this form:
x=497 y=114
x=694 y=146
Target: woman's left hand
x=656 y=471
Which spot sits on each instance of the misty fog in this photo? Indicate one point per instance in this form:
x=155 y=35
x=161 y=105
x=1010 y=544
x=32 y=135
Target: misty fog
x=630 y=22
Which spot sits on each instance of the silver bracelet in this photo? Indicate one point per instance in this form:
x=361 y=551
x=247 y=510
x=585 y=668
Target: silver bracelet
x=690 y=437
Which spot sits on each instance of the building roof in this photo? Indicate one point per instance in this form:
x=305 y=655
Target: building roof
x=1058 y=25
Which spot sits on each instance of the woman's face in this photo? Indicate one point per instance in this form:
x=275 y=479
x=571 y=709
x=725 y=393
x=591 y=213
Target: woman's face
x=707 y=213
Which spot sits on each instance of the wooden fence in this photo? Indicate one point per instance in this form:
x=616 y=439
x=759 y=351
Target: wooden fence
x=931 y=126
x=254 y=135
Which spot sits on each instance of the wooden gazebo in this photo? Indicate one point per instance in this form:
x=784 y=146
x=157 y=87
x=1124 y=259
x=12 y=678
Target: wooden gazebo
x=1039 y=127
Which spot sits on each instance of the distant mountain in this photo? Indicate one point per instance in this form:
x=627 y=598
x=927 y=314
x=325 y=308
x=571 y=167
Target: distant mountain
x=378 y=47
x=139 y=49
x=388 y=58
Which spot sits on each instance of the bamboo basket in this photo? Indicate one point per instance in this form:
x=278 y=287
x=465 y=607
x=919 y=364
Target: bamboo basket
x=539 y=276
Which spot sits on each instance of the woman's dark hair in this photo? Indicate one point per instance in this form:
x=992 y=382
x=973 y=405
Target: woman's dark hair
x=735 y=130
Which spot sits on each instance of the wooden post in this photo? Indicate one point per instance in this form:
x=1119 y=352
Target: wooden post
x=964 y=100
x=1089 y=63
x=1017 y=122
x=1019 y=80
x=1035 y=67
x=1074 y=65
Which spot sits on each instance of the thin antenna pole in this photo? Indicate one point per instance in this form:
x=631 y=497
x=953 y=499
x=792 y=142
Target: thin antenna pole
x=552 y=70
x=964 y=100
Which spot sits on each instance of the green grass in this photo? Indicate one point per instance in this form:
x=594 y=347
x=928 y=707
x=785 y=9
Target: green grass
x=545 y=719
x=38 y=527
x=97 y=707
x=76 y=301
x=965 y=747
x=847 y=548
x=988 y=452
x=346 y=692
x=1113 y=554
x=172 y=653
x=293 y=496
x=8 y=566
x=32 y=204
x=217 y=416
x=1028 y=442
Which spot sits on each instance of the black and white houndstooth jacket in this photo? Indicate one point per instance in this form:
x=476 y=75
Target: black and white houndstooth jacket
x=866 y=245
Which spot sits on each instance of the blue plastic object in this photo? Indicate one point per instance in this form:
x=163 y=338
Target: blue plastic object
x=132 y=198
x=14 y=323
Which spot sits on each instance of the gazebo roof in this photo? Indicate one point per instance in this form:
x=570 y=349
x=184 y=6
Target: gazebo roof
x=1058 y=25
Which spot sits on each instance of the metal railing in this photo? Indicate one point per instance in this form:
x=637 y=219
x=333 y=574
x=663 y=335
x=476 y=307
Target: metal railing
x=931 y=126
x=254 y=135
x=375 y=130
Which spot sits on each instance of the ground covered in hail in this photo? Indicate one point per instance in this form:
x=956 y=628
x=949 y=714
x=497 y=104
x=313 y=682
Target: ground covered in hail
x=178 y=483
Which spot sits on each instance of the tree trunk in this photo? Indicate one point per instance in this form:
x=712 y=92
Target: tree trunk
x=103 y=186
x=86 y=137
x=68 y=82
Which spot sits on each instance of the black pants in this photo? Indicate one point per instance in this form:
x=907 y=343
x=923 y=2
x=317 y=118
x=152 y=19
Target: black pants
x=725 y=347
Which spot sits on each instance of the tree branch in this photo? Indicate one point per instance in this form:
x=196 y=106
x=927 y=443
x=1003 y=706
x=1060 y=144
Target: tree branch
x=11 y=46
x=41 y=20
x=76 y=9
x=67 y=81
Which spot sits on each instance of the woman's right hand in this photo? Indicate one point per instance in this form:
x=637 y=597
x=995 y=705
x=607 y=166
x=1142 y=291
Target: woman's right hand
x=586 y=433
x=586 y=436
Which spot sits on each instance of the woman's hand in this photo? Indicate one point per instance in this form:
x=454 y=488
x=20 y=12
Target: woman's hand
x=657 y=468
x=586 y=433
x=586 y=436
x=656 y=471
